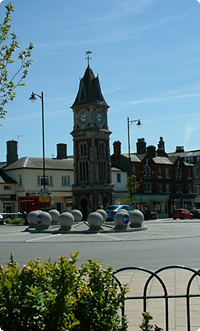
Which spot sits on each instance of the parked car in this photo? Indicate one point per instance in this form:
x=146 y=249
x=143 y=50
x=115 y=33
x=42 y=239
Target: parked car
x=113 y=209
x=195 y=213
x=2 y=219
x=182 y=214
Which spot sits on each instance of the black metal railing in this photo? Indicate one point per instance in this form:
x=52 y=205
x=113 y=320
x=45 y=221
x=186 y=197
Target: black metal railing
x=186 y=293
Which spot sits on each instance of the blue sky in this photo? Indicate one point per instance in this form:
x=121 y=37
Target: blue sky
x=147 y=55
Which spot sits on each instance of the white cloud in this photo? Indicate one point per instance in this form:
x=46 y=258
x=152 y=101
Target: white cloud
x=199 y=2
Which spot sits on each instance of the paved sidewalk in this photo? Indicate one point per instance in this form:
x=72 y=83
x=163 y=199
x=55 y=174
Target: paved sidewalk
x=176 y=282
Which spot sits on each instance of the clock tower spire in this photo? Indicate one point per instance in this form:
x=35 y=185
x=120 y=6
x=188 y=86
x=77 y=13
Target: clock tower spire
x=92 y=187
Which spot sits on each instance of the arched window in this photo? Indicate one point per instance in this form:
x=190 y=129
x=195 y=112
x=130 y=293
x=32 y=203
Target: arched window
x=83 y=149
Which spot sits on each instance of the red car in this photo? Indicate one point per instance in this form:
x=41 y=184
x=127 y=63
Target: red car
x=182 y=214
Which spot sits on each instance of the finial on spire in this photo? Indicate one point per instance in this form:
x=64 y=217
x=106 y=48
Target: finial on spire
x=88 y=58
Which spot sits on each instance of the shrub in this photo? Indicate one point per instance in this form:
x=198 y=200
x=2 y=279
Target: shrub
x=59 y=296
x=146 y=326
x=16 y=220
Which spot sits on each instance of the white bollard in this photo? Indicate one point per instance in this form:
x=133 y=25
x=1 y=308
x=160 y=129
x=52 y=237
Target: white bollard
x=136 y=219
x=66 y=220
x=55 y=215
x=121 y=220
x=77 y=215
x=95 y=220
x=103 y=214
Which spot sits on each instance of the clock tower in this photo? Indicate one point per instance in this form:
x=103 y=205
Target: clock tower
x=92 y=187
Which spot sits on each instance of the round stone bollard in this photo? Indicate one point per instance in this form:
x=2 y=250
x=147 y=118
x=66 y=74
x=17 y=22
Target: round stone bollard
x=31 y=218
x=77 y=215
x=121 y=220
x=55 y=215
x=43 y=220
x=103 y=214
x=66 y=221
x=95 y=221
x=136 y=219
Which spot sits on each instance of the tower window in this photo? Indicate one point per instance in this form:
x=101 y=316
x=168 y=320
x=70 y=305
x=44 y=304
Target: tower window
x=83 y=149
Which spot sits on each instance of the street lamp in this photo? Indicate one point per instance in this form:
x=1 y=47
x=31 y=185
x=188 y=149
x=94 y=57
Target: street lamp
x=33 y=98
x=129 y=123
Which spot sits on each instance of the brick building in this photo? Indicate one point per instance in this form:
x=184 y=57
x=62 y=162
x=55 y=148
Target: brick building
x=163 y=182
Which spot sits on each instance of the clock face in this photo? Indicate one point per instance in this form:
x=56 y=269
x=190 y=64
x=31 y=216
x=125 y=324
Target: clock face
x=82 y=117
x=99 y=117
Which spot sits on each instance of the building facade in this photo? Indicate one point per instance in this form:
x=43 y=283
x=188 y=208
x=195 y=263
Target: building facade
x=22 y=182
x=164 y=182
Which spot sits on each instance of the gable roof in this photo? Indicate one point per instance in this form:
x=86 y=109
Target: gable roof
x=5 y=179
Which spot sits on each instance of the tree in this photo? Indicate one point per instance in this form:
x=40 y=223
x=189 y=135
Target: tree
x=8 y=46
x=131 y=187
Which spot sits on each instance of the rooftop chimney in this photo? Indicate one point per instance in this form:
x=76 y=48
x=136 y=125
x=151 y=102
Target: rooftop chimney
x=117 y=148
x=61 y=151
x=179 y=149
x=141 y=146
x=151 y=150
x=12 y=155
x=161 y=147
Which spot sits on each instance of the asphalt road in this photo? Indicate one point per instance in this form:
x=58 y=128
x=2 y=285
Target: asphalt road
x=164 y=242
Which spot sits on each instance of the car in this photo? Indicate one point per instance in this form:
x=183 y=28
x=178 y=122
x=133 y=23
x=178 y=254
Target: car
x=113 y=209
x=2 y=219
x=195 y=213
x=182 y=214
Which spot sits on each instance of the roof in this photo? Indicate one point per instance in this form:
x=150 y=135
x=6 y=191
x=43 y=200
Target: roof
x=89 y=90
x=37 y=163
x=186 y=154
x=5 y=179
x=162 y=160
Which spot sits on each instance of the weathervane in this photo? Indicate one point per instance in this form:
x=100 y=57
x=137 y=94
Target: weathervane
x=88 y=58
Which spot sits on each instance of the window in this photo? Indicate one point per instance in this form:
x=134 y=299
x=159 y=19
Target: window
x=189 y=174
x=7 y=187
x=102 y=171
x=83 y=149
x=196 y=172
x=178 y=173
x=167 y=173
x=167 y=188
x=159 y=188
x=178 y=188
x=48 y=180
x=189 y=159
x=20 y=180
x=83 y=171
x=149 y=188
x=133 y=170
x=65 y=181
x=189 y=188
x=159 y=172
x=118 y=178
x=101 y=148
x=198 y=189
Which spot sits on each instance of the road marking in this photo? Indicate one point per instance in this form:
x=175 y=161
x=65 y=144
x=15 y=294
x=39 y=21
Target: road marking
x=109 y=236
x=39 y=238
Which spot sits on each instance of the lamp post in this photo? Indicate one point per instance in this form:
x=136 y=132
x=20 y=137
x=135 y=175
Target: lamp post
x=129 y=123
x=34 y=98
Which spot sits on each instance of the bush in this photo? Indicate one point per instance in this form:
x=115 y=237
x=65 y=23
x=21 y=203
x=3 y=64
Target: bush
x=60 y=296
x=17 y=220
x=146 y=326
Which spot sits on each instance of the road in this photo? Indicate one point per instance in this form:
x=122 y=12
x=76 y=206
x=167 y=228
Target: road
x=164 y=242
